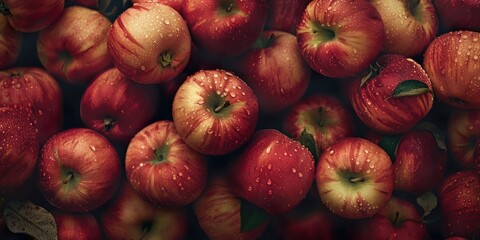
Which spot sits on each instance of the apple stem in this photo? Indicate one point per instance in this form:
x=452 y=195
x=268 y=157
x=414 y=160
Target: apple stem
x=412 y=4
x=166 y=59
x=69 y=177
x=222 y=106
x=321 y=113
x=395 y=221
x=108 y=123
x=357 y=179
x=3 y=9
x=230 y=7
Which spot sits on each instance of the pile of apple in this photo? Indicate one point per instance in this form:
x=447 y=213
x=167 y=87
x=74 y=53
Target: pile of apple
x=240 y=119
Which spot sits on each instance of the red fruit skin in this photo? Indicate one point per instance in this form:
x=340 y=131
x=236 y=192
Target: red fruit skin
x=162 y=168
x=175 y=4
x=112 y=96
x=459 y=204
x=19 y=148
x=34 y=91
x=33 y=16
x=273 y=172
x=74 y=48
x=285 y=15
x=449 y=12
x=10 y=43
x=345 y=55
x=373 y=101
x=463 y=129
x=218 y=212
x=82 y=226
x=92 y=159
x=317 y=224
x=452 y=61
x=225 y=33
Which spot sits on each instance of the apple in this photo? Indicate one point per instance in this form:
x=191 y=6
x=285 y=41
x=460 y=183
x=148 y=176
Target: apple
x=459 y=14
x=272 y=171
x=79 y=170
x=225 y=28
x=10 y=43
x=118 y=107
x=218 y=212
x=275 y=70
x=129 y=216
x=162 y=168
x=322 y=115
x=77 y=226
x=215 y=112
x=314 y=225
x=410 y=25
x=175 y=4
x=354 y=178
x=19 y=148
x=35 y=92
x=149 y=43
x=452 y=61
x=285 y=15
x=31 y=16
x=463 y=130
x=459 y=203
x=399 y=219
x=393 y=96
x=340 y=38
x=74 y=48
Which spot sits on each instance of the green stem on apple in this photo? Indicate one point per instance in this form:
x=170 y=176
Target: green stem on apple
x=70 y=176
x=145 y=229
x=395 y=220
x=219 y=108
x=108 y=123
x=412 y=4
x=321 y=116
x=166 y=59
x=263 y=42
x=229 y=8
x=356 y=179
x=4 y=9
x=374 y=70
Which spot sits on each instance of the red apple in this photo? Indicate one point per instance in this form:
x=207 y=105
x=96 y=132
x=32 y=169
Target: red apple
x=275 y=70
x=410 y=25
x=354 y=178
x=459 y=203
x=225 y=28
x=314 y=225
x=273 y=172
x=36 y=93
x=218 y=212
x=77 y=226
x=463 y=130
x=175 y=4
x=79 y=170
x=459 y=14
x=323 y=116
x=10 y=43
x=340 y=38
x=285 y=15
x=162 y=168
x=31 y=16
x=394 y=96
x=19 y=148
x=129 y=216
x=74 y=48
x=452 y=61
x=215 y=112
x=118 y=107
x=150 y=43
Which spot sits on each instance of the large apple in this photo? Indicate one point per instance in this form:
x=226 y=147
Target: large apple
x=340 y=38
x=150 y=42
x=19 y=148
x=285 y=15
x=118 y=107
x=79 y=170
x=452 y=61
x=129 y=216
x=272 y=171
x=36 y=93
x=77 y=226
x=463 y=130
x=74 y=48
x=410 y=25
x=225 y=28
x=393 y=96
x=459 y=14
x=274 y=68
x=10 y=43
x=31 y=16
x=324 y=116
x=162 y=168
x=354 y=178
x=215 y=112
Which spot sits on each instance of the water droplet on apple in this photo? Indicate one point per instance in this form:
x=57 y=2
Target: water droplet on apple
x=300 y=174
x=250 y=188
x=269 y=181
x=294 y=170
x=269 y=166
x=93 y=148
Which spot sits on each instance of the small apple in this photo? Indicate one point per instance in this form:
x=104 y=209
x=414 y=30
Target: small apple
x=118 y=107
x=215 y=112
x=275 y=70
x=175 y=4
x=225 y=28
x=459 y=14
x=463 y=131
x=162 y=168
x=31 y=16
x=77 y=226
x=272 y=171
x=79 y=170
x=149 y=43
x=340 y=38
x=452 y=61
x=10 y=43
x=285 y=15
x=354 y=178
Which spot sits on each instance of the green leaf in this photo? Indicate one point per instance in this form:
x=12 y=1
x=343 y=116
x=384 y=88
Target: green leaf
x=251 y=216
x=389 y=143
x=410 y=88
x=428 y=201
x=373 y=71
x=439 y=135
x=307 y=140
